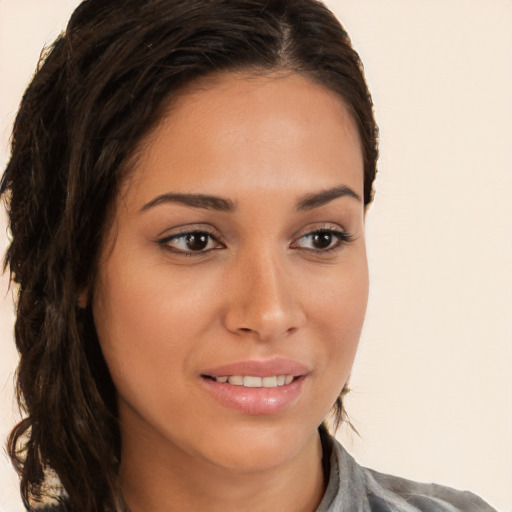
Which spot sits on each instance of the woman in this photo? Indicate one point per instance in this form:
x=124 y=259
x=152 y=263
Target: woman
x=187 y=195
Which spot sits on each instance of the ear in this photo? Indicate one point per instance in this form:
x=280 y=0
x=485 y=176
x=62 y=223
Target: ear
x=83 y=298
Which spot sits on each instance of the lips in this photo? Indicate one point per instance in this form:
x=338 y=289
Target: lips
x=268 y=368
x=257 y=387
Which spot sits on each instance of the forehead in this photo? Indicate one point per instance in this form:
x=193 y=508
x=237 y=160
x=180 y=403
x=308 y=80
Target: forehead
x=239 y=132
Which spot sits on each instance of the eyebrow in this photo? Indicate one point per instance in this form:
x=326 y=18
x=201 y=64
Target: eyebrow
x=311 y=201
x=307 y=202
x=195 y=200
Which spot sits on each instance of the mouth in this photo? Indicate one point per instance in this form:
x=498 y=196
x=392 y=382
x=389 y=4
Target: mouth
x=257 y=387
x=253 y=381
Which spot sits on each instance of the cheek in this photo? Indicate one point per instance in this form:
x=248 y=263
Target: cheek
x=341 y=298
x=339 y=312
x=121 y=317
x=146 y=325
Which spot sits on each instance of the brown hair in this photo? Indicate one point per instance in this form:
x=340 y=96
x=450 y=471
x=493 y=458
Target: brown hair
x=97 y=91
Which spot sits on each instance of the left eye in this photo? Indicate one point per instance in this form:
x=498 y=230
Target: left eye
x=193 y=242
x=322 y=240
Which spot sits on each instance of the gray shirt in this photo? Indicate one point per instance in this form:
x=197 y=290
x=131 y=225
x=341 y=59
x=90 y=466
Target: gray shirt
x=353 y=488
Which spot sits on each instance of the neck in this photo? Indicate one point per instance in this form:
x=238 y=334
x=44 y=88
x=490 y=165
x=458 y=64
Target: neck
x=156 y=478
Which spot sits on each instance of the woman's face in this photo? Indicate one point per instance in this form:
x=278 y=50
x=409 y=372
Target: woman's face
x=237 y=253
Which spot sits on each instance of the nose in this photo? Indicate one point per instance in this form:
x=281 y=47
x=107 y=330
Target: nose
x=262 y=298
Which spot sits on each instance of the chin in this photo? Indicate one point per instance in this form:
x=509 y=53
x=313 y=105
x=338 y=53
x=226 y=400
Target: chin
x=261 y=448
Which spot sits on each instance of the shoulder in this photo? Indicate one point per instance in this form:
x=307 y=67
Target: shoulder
x=424 y=497
x=371 y=491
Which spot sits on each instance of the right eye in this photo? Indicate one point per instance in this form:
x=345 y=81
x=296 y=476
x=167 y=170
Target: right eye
x=191 y=242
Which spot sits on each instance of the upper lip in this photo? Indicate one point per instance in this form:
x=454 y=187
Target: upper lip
x=259 y=368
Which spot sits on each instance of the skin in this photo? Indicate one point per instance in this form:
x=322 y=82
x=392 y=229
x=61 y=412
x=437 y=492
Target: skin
x=260 y=290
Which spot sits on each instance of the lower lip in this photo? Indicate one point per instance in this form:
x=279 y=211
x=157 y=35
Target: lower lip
x=257 y=401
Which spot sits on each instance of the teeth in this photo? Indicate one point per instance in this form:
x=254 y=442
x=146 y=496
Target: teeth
x=250 y=381
x=253 y=382
x=269 y=382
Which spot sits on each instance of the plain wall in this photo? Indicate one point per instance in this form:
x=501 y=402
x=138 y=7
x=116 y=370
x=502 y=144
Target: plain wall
x=432 y=385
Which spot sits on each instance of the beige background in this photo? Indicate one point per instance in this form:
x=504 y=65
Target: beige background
x=432 y=384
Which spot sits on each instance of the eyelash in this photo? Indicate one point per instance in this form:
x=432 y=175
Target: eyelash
x=165 y=242
x=342 y=238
